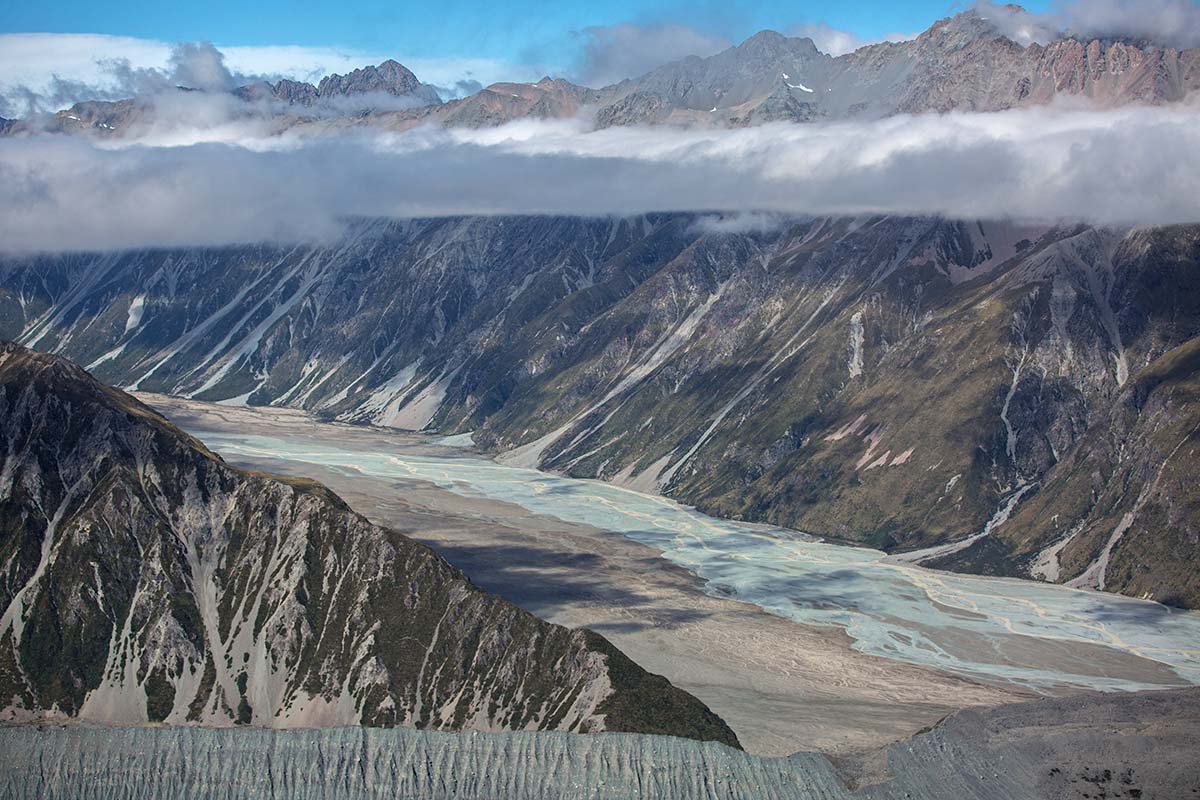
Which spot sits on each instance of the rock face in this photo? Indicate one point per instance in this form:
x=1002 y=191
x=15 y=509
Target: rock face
x=145 y=580
x=389 y=77
x=903 y=382
x=731 y=82
x=496 y=104
x=962 y=63
x=1130 y=745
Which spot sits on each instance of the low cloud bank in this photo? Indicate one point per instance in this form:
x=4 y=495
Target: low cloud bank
x=196 y=65
x=1130 y=166
x=1170 y=23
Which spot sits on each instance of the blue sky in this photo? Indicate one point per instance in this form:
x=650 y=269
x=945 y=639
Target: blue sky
x=518 y=31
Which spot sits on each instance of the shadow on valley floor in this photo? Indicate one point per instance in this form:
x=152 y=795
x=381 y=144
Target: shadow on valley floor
x=669 y=619
x=528 y=576
x=1144 y=613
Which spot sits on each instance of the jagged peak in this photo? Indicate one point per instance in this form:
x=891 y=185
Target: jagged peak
x=765 y=36
x=390 y=76
x=770 y=42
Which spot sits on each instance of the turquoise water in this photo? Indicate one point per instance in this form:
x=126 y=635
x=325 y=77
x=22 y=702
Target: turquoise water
x=1019 y=631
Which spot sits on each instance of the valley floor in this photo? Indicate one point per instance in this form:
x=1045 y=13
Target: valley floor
x=783 y=687
x=782 y=684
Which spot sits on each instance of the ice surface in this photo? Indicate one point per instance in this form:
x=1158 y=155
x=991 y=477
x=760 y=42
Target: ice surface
x=204 y=764
x=1144 y=743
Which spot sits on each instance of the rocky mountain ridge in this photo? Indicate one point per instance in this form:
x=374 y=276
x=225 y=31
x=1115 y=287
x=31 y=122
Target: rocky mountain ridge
x=962 y=63
x=912 y=383
x=389 y=78
x=146 y=580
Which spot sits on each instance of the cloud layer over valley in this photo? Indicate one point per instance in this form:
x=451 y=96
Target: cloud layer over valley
x=232 y=183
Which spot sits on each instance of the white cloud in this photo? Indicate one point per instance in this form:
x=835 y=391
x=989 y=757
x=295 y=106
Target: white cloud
x=1134 y=165
x=200 y=65
x=837 y=42
x=741 y=222
x=1170 y=23
x=612 y=53
x=33 y=58
x=1023 y=27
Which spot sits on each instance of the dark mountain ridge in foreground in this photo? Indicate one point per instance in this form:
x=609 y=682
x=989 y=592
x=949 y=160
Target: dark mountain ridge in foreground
x=1021 y=397
x=146 y=580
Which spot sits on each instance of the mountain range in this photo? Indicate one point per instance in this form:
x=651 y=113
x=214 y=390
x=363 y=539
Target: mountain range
x=1015 y=397
x=146 y=580
x=991 y=397
x=962 y=63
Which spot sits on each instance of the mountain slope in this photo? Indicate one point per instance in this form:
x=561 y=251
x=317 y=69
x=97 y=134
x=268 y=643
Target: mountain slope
x=1122 y=511
x=146 y=580
x=904 y=382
